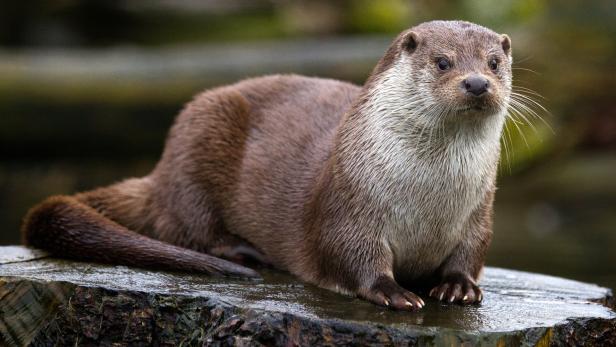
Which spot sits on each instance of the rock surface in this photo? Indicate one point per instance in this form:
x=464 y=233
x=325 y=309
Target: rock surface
x=50 y=302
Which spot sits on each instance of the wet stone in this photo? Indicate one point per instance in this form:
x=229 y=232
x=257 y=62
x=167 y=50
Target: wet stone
x=16 y=254
x=51 y=302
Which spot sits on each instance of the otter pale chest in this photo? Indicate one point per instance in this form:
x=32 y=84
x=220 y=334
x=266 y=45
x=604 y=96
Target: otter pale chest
x=349 y=188
x=436 y=206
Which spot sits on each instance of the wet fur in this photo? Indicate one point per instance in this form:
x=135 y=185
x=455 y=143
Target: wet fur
x=346 y=187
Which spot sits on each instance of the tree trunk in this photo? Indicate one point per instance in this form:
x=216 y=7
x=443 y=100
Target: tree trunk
x=51 y=302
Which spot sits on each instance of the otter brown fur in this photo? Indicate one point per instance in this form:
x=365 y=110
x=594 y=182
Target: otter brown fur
x=355 y=189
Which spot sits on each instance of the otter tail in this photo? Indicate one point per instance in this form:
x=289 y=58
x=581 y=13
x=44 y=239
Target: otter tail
x=75 y=228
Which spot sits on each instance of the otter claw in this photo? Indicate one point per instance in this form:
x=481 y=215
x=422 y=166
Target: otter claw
x=457 y=288
x=385 y=291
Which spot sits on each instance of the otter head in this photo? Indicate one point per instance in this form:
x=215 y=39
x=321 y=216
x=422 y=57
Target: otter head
x=448 y=70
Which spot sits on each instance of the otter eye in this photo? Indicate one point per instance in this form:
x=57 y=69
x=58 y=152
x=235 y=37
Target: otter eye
x=493 y=63
x=443 y=64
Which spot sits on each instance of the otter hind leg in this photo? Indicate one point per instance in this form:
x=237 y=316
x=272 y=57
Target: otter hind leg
x=228 y=246
x=93 y=227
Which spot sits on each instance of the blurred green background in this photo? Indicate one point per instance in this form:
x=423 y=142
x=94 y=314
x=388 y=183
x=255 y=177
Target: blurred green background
x=88 y=90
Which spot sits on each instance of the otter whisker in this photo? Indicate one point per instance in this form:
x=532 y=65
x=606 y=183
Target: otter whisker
x=504 y=142
x=527 y=90
x=523 y=106
x=514 y=120
x=530 y=100
x=525 y=69
x=523 y=60
x=521 y=134
x=517 y=108
x=507 y=135
x=523 y=97
x=512 y=114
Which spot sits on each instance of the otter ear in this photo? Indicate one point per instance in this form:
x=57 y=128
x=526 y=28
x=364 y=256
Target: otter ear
x=410 y=41
x=506 y=43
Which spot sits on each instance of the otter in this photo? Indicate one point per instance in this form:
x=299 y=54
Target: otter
x=364 y=190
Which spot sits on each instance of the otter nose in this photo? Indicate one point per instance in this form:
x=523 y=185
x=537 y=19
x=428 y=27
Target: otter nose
x=476 y=84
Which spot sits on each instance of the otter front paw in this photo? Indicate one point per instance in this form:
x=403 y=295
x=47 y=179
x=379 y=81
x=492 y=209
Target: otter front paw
x=386 y=292
x=457 y=288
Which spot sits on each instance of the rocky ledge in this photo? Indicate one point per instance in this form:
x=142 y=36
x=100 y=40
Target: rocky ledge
x=52 y=302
